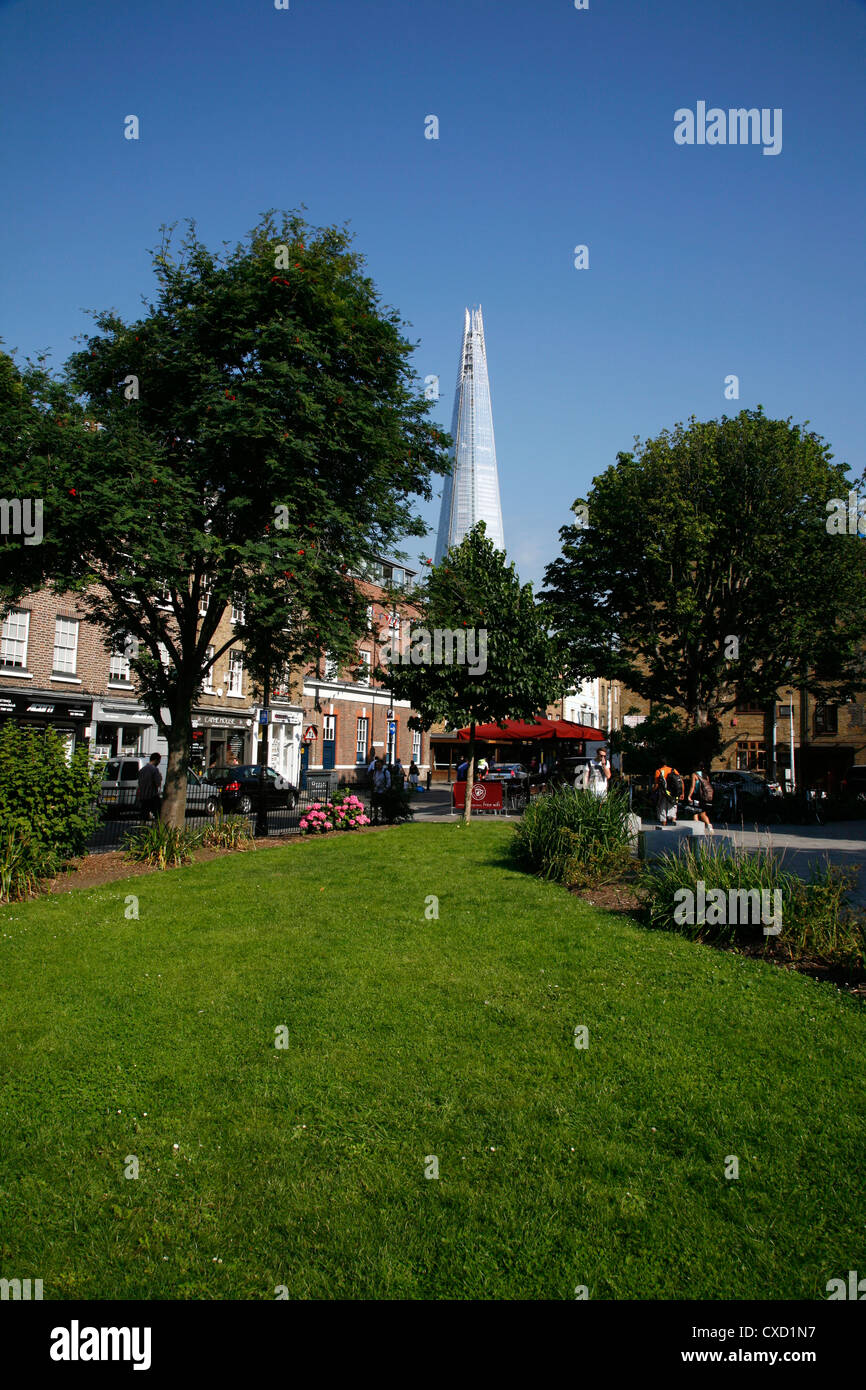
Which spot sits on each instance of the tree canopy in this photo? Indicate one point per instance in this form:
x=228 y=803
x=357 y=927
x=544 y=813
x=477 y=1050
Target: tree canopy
x=701 y=568
x=253 y=437
x=512 y=667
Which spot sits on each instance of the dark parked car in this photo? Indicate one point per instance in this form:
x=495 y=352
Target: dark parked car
x=854 y=784
x=239 y=788
x=750 y=784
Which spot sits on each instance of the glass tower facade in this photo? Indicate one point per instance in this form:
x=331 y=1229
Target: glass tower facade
x=471 y=494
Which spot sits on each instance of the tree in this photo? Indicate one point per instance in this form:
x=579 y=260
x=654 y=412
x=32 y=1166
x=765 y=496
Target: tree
x=251 y=439
x=480 y=652
x=701 y=569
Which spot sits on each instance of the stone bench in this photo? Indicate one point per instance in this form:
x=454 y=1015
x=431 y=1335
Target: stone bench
x=668 y=839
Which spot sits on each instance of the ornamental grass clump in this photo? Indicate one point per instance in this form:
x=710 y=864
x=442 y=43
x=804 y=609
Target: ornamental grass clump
x=816 y=919
x=344 y=811
x=574 y=837
x=160 y=845
x=24 y=862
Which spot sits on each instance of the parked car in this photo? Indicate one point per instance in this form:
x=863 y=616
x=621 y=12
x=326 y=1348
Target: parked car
x=118 y=790
x=569 y=770
x=507 y=772
x=854 y=784
x=239 y=788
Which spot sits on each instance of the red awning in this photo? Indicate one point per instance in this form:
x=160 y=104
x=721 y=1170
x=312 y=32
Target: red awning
x=516 y=731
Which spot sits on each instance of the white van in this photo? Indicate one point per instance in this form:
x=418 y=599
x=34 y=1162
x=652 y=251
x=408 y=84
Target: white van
x=118 y=791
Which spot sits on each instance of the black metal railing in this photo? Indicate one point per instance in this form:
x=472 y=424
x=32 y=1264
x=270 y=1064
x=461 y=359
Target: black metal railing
x=120 y=815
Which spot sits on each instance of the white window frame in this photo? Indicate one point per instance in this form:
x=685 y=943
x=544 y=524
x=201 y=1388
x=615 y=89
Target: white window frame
x=237 y=612
x=235 y=673
x=7 y=640
x=362 y=743
x=332 y=668
x=329 y=728
x=118 y=662
x=204 y=599
x=416 y=745
x=207 y=678
x=366 y=659
x=65 y=627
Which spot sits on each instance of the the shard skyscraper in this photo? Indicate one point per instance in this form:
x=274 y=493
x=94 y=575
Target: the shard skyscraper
x=471 y=493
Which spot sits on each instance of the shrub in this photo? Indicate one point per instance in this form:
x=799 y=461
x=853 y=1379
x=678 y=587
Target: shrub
x=817 y=920
x=23 y=862
x=44 y=796
x=574 y=837
x=160 y=845
x=345 y=811
x=396 y=805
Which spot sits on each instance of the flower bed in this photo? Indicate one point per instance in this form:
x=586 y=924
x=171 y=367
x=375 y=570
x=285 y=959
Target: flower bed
x=340 y=813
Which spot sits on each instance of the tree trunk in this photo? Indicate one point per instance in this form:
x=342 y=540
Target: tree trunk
x=178 y=737
x=470 y=775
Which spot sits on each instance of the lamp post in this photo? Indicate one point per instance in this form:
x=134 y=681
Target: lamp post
x=261 y=808
x=791 y=738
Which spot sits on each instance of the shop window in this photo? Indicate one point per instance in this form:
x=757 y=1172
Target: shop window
x=13 y=638
x=130 y=740
x=235 y=682
x=361 y=744
x=751 y=756
x=65 y=646
x=826 y=719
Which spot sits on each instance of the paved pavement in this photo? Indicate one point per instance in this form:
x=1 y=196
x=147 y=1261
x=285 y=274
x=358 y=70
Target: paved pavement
x=842 y=843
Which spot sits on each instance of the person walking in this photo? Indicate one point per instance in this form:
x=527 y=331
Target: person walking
x=700 y=796
x=381 y=784
x=462 y=769
x=414 y=775
x=669 y=791
x=399 y=775
x=599 y=774
x=149 y=784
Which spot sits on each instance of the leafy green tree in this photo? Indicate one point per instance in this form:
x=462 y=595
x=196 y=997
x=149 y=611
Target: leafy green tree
x=511 y=668
x=700 y=568
x=251 y=439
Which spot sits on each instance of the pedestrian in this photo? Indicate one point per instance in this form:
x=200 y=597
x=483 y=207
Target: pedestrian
x=371 y=767
x=599 y=774
x=149 y=783
x=462 y=769
x=700 y=795
x=399 y=774
x=669 y=790
x=381 y=784
x=414 y=775
x=482 y=766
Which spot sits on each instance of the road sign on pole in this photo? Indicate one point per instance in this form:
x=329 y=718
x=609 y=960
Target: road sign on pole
x=311 y=733
x=263 y=716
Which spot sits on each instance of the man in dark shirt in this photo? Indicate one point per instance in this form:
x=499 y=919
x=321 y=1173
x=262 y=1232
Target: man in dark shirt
x=149 y=783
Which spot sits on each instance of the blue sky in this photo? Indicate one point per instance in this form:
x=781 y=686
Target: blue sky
x=556 y=129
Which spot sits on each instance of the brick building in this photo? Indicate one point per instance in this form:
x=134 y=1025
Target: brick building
x=354 y=716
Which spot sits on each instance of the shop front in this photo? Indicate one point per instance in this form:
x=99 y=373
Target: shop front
x=69 y=718
x=284 y=742
x=123 y=730
x=220 y=739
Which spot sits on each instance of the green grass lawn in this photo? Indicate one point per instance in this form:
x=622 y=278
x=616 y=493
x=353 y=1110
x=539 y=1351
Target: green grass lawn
x=408 y=1038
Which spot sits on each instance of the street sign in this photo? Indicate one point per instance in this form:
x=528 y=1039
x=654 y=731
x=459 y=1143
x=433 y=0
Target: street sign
x=311 y=733
x=263 y=716
x=392 y=727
